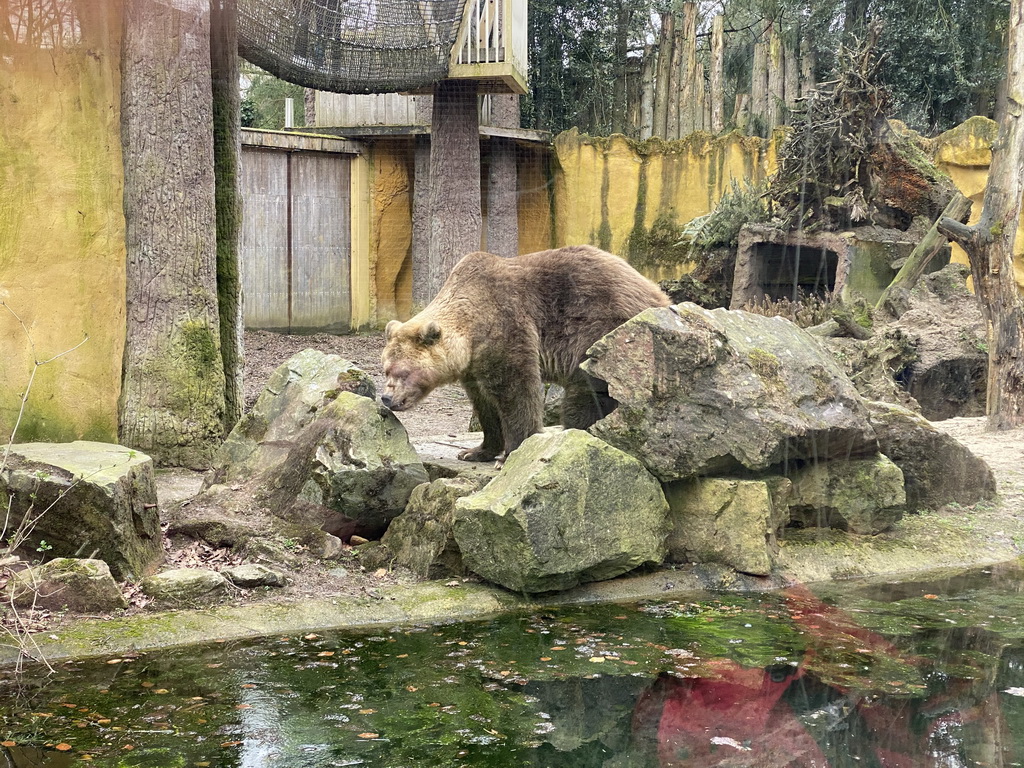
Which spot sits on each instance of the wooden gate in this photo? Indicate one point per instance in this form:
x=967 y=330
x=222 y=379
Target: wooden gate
x=296 y=243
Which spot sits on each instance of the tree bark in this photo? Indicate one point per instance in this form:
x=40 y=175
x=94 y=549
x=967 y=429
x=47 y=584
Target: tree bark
x=674 y=83
x=455 y=219
x=647 y=93
x=227 y=146
x=776 y=80
x=989 y=245
x=718 y=74
x=623 y=15
x=502 y=181
x=690 y=106
x=958 y=209
x=172 y=396
x=759 y=83
x=661 y=78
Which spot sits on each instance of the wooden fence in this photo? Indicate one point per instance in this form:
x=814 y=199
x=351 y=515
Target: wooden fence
x=299 y=256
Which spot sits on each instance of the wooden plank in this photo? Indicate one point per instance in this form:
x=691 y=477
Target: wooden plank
x=321 y=242
x=263 y=250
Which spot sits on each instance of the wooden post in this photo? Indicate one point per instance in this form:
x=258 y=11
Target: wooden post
x=674 y=81
x=689 y=108
x=647 y=93
x=717 y=74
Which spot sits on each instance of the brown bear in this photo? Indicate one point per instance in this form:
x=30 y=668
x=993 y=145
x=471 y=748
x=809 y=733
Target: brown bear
x=502 y=326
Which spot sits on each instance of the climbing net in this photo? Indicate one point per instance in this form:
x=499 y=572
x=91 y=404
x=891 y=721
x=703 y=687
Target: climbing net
x=350 y=46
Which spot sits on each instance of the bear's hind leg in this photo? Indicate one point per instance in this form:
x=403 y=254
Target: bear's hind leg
x=586 y=401
x=490 y=422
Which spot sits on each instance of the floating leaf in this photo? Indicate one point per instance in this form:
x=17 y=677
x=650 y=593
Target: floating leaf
x=369 y=735
x=8 y=743
x=63 y=747
x=326 y=653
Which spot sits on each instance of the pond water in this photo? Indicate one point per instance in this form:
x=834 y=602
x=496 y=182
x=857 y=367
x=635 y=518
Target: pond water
x=922 y=673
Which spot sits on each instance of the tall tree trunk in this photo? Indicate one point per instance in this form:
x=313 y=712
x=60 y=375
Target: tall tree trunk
x=227 y=146
x=172 y=396
x=647 y=93
x=689 y=106
x=759 y=83
x=623 y=14
x=776 y=79
x=502 y=181
x=454 y=178
x=808 y=63
x=989 y=245
x=661 y=78
x=421 y=218
x=674 y=82
x=792 y=80
x=718 y=74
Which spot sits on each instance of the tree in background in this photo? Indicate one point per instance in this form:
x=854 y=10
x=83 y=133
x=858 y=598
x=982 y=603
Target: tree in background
x=263 y=102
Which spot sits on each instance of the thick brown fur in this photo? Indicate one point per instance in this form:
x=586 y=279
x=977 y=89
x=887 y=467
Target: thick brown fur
x=502 y=326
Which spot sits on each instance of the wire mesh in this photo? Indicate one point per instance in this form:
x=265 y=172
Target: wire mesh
x=351 y=46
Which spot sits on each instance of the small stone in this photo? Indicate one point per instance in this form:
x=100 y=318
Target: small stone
x=250 y=575
x=184 y=584
x=84 y=585
x=355 y=541
x=331 y=547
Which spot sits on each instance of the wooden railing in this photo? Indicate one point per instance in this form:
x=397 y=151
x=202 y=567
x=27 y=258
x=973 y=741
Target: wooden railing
x=492 y=43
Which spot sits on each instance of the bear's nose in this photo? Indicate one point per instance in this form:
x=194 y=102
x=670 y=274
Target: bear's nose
x=386 y=399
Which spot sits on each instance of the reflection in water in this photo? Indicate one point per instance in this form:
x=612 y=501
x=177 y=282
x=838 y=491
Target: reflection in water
x=922 y=674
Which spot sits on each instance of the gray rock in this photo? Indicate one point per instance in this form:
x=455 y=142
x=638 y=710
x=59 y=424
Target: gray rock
x=937 y=469
x=422 y=538
x=859 y=495
x=315 y=454
x=293 y=398
x=566 y=508
x=184 y=585
x=85 y=586
x=728 y=521
x=86 y=499
x=707 y=392
x=251 y=575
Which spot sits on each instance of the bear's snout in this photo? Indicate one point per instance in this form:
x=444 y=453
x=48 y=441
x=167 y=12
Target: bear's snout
x=388 y=401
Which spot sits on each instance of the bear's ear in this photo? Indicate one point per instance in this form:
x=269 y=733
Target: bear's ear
x=430 y=334
x=390 y=329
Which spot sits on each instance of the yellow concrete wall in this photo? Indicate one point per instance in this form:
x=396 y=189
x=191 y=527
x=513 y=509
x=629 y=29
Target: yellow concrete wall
x=615 y=192
x=391 y=173
x=965 y=153
x=62 y=255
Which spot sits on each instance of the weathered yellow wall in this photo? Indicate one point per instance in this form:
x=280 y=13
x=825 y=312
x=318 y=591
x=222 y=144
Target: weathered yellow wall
x=965 y=153
x=391 y=228
x=62 y=256
x=633 y=198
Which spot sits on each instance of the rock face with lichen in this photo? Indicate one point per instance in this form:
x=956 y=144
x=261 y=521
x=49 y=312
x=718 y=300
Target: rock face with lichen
x=84 y=499
x=566 y=509
x=316 y=451
x=860 y=495
x=715 y=391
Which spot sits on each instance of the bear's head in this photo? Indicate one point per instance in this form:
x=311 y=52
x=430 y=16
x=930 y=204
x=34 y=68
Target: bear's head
x=418 y=357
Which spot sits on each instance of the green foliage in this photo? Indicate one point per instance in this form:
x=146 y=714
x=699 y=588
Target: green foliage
x=263 y=102
x=742 y=204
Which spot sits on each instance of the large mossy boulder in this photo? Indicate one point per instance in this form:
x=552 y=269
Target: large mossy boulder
x=84 y=499
x=860 y=495
x=422 y=538
x=316 y=451
x=728 y=521
x=937 y=469
x=292 y=399
x=710 y=392
x=566 y=509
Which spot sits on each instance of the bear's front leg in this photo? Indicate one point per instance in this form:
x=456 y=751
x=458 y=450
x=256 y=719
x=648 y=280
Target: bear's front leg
x=521 y=409
x=487 y=414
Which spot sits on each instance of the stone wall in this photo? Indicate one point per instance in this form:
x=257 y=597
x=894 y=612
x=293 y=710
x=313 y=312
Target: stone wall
x=62 y=253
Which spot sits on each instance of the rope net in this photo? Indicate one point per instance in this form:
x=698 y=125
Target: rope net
x=350 y=46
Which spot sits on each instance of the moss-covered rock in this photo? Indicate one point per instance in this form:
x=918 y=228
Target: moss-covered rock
x=83 y=585
x=84 y=497
x=182 y=586
x=708 y=392
x=566 y=508
x=728 y=521
x=858 y=495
